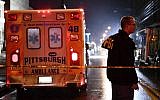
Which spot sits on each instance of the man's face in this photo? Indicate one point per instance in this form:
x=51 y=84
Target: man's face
x=132 y=26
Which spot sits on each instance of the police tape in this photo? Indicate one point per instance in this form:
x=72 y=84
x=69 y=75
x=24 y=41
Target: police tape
x=2 y=65
x=67 y=66
x=122 y=66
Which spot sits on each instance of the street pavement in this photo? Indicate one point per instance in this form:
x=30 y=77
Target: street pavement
x=147 y=88
x=146 y=85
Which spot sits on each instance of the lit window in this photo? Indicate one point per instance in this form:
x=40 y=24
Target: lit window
x=33 y=38
x=55 y=37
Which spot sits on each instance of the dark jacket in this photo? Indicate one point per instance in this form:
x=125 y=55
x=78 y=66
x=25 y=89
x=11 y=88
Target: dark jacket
x=120 y=53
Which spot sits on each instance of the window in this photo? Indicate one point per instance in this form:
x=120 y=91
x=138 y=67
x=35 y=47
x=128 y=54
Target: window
x=33 y=38
x=0 y=13
x=55 y=37
x=1 y=37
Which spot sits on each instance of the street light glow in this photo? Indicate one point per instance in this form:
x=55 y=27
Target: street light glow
x=106 y=31
x=104 y=35
x=109 y=27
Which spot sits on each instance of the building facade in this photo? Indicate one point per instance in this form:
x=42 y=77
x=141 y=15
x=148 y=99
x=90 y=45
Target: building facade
x=9 y=5
x=19 y=4
x=2 y=20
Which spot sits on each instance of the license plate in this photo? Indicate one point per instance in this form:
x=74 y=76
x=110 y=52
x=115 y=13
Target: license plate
x=45 y=79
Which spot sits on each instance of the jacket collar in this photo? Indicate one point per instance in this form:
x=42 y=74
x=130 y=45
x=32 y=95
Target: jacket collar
x=123 y=33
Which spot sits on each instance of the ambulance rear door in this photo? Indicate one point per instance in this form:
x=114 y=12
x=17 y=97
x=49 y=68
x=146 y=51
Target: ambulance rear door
x=45 y=43
x=34 y=43
x=55 y=43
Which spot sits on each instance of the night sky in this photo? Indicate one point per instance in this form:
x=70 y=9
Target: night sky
x=98 y=13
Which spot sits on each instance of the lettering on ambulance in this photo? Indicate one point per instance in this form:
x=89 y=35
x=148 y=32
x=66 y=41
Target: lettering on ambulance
x=45 y=71
x=32 y=60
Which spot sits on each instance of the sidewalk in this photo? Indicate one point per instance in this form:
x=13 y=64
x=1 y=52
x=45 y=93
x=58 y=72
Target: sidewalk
x=2 y=86
x=148 y=84
x=2 y=59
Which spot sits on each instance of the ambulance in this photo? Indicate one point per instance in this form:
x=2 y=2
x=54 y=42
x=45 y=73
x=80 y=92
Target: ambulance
x=45 y=48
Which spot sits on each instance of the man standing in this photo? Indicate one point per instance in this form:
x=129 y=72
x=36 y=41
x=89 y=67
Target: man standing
x=120 y=57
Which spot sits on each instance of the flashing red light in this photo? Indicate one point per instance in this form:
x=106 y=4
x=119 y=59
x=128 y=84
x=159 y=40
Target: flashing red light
x=75 y=16
x=12 y=17
x=43 y=11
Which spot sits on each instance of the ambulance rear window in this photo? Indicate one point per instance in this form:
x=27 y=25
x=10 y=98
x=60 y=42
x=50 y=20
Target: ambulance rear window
x=33 y=38
x=55 y=37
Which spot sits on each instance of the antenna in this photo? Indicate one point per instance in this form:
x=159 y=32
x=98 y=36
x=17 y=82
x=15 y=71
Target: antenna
x=63 y=4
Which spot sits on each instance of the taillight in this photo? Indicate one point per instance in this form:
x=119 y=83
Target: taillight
x=7 y=82
x=15 y=57
x=12 y=17
x=74 y=58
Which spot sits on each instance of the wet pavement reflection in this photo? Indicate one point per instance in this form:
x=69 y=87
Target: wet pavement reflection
x=99 y=88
